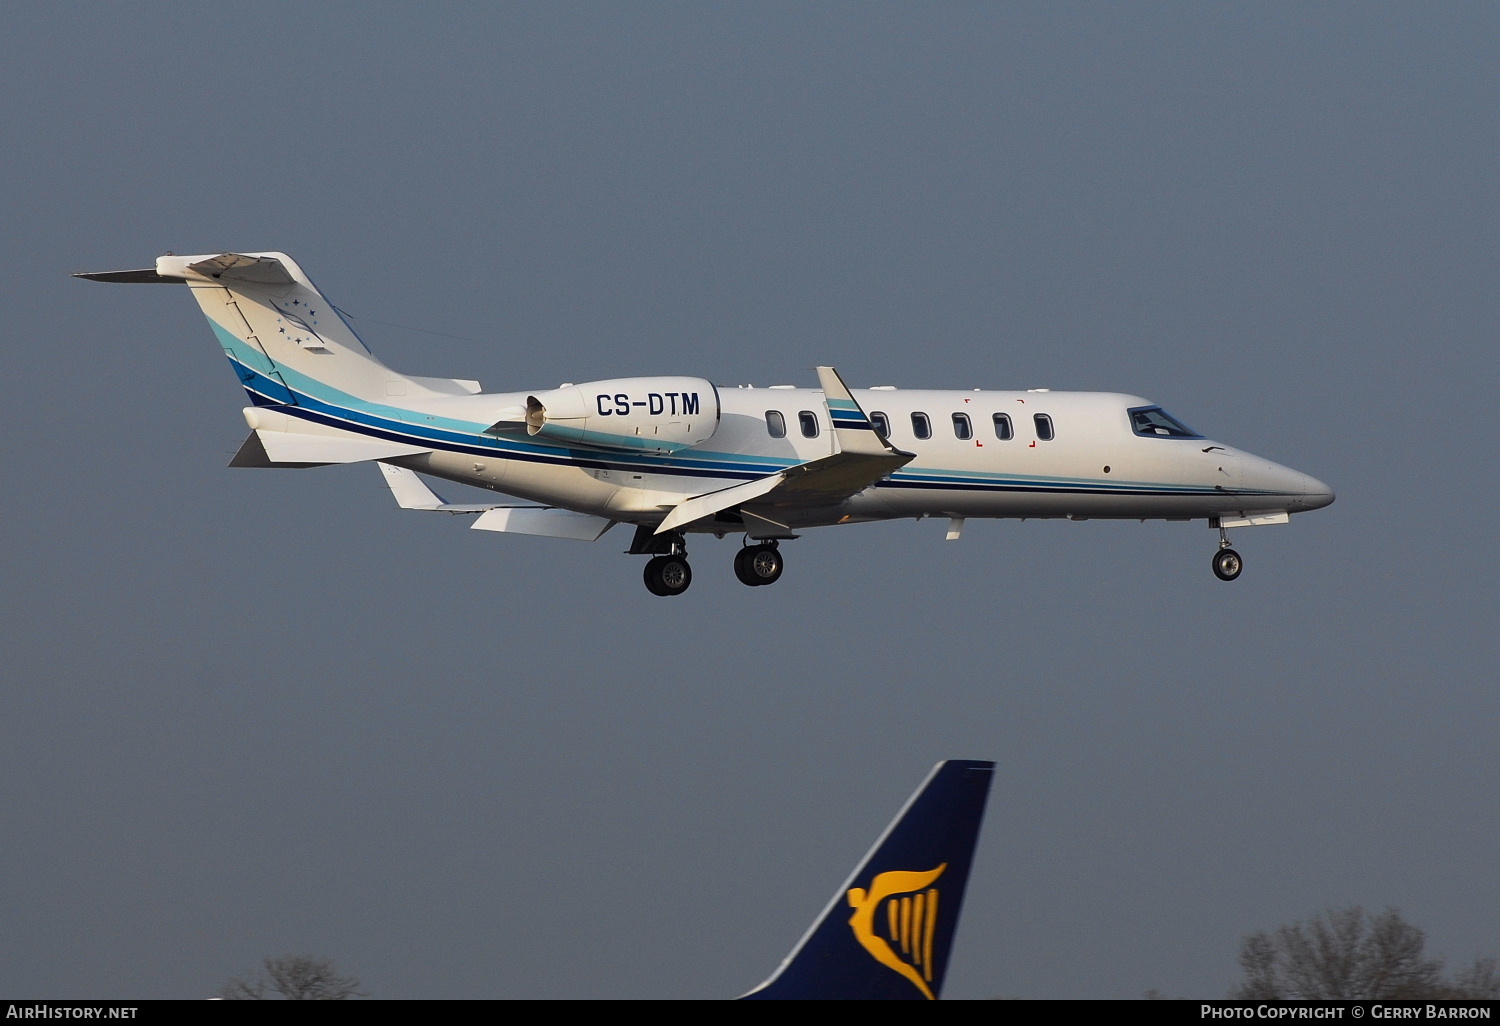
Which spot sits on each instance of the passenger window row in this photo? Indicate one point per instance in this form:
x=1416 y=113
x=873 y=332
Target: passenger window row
x=807 y=420
x=921 y=425
x=963 y=428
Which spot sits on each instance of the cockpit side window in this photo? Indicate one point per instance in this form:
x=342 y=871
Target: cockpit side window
x=1155 y=422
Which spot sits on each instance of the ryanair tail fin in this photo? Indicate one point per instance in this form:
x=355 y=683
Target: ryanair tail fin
x=888 y=931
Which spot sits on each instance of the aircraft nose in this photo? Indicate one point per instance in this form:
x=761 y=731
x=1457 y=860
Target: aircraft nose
x=1299 y=491
x=1315 y=494
x=1305 y=491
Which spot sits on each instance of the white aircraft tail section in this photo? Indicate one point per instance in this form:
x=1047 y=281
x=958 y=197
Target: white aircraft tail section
x=288 y=343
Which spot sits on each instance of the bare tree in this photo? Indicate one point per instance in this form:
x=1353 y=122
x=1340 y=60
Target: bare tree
x=294 y=978
x=1478 y=981
x=1343 y=954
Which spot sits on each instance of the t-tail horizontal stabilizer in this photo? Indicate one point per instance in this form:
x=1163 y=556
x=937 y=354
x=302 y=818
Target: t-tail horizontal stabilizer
x=411 y=492
x=280 y=440
x=888 y=931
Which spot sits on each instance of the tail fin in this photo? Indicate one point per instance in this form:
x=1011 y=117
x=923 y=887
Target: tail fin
x=287 y=343
x=888 y=931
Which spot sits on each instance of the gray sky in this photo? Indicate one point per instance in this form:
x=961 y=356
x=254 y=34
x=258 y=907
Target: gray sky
x=253 y=712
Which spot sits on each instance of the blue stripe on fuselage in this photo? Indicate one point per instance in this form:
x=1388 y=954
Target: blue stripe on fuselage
x=265 y=390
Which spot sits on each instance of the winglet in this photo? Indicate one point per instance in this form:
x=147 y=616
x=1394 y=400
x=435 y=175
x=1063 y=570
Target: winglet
x=854 y=431
x=411 y=492
x=888 y=931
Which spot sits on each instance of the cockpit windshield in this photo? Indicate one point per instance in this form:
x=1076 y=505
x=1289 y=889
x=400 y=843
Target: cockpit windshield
x=1155 y=422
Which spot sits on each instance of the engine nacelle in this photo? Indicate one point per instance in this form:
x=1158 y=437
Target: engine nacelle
x=655 y=415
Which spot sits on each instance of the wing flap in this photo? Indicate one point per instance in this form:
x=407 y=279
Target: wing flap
x=545 y=521
x=411 y=492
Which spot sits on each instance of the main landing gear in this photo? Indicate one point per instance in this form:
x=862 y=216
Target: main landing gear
x=667 y=573
x=759 y=564
x=1227 y=562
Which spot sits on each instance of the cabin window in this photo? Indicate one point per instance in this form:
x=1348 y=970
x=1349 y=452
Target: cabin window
x=809 y=421
x=881 y=423
x=1155 y=422
x=921 y=426
x=1043 y=427
x=1003 y=430
x=962 y=429
x=775 y=424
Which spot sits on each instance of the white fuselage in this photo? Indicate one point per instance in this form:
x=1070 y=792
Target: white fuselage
x=1094 y=465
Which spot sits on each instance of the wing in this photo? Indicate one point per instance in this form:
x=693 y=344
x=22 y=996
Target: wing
x=863 y=458
x=411 y=492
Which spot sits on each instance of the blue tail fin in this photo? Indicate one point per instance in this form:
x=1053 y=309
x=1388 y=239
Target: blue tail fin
x=889 y=929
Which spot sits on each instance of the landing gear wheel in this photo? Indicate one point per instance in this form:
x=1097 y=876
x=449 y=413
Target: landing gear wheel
x=668 y=575
x=1227 y=564
x=758 y=564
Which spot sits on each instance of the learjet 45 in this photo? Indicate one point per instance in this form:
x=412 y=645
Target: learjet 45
x=677 y=456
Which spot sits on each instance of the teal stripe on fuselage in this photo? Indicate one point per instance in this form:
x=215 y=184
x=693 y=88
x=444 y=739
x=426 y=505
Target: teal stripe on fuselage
x=265 y=390
x=316 y=401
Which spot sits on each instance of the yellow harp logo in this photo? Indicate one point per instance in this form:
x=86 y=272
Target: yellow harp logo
x=911 y=911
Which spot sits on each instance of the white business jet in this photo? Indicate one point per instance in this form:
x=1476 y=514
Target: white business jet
x=674 y=456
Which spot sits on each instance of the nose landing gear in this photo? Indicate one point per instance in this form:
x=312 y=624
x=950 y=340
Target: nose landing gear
x=758 y=564
x=1227 y=562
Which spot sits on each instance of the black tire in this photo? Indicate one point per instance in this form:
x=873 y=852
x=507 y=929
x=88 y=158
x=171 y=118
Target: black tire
x=1227 y=564
x=668 y=576
x=758 y=564
x=649 y=576
x=742 y=571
